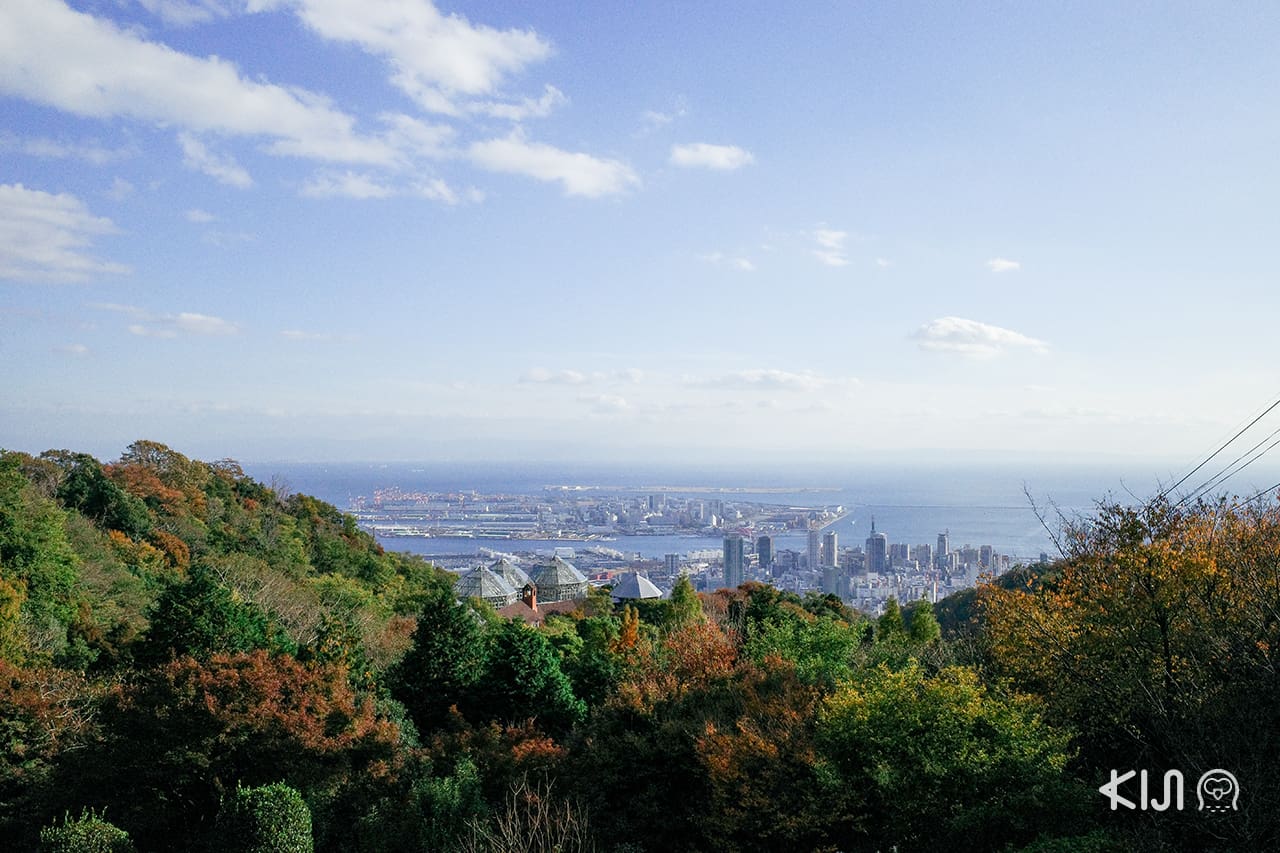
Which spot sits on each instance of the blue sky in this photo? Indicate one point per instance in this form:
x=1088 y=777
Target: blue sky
x=386 y=229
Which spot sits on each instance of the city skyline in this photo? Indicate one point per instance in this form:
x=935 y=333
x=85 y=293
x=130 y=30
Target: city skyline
x=286 y=229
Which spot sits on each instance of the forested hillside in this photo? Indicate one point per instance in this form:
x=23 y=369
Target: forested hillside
x=191 y=660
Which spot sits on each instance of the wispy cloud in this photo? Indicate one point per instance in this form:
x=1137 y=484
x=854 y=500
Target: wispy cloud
x=605 y=404
x=362 y=185
x=830 y=248
x=198 y=216
x=720 y=259
x=222 y=168
x=998 y=265
x=320 y=337
x=544 y=376
x=120 y=190
x=184 y=13
x=149 y=324
x=525 y=108
x=579 y=174
x=77 y=350
x=651 y=120
x=704 y=155
x=973 y=339
x=771 y=379
x=54 y=149
x=47 y=237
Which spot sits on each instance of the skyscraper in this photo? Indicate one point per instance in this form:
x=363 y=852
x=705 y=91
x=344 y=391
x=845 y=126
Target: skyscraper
x=815 y=556
x=877 y=550
x=944 y=548
x=764 y=551
x=830 y=549
x=734 y=563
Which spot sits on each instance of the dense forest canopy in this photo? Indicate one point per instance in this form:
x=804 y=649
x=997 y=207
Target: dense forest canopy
x=192 y=660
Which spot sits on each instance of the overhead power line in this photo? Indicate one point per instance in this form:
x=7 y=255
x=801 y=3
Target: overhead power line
x=1221 y=448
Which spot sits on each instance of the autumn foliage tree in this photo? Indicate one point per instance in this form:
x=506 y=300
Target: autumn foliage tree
x=182 y=736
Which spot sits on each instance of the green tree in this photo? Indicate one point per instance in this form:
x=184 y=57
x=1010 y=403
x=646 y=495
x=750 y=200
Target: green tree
x=86 y=489
x=36 y=558
x=443 y=664
x=522 y=680
x=922 y=625
x=927 y=762
x=890 y=625
x=202 y=616
x=685 y=605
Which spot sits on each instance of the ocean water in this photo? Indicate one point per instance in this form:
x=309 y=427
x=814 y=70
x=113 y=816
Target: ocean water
x=976 y=505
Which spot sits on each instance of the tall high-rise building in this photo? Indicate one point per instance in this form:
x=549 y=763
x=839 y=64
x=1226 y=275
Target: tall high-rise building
x=830 y=549
x=764 y=551
x=673 y=564
x=734 y=563
x=985 y=553
x=923 y=555
x=877 y=550
x=831 y=580
x=815 y=555
x=944 y=548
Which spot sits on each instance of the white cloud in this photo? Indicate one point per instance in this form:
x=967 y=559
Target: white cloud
x=52 y=149
x=973 y=339
x=884 y=263
x=72 y=61
x=706 y=156
x=579 y=174
x=77 y=350
x=1003 y=265
x=45 y=237
x=151 y=325
x=830 y=250
x=435 y=58
x=720 y=259
x=223 y=169
x=199 y=216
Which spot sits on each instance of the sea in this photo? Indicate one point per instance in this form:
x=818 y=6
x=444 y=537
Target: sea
x=1018 y=510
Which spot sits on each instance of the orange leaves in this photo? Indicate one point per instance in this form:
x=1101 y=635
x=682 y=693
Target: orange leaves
x=272 y=696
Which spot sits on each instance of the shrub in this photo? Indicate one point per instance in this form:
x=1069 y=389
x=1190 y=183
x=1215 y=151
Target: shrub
x=267 y=819
x=89 y=833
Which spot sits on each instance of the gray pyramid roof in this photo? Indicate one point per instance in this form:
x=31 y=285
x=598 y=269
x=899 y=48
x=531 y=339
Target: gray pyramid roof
x=633 y=585
x=512 y=574
x=558 y=572
x=559 y=581
x=482 y=583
